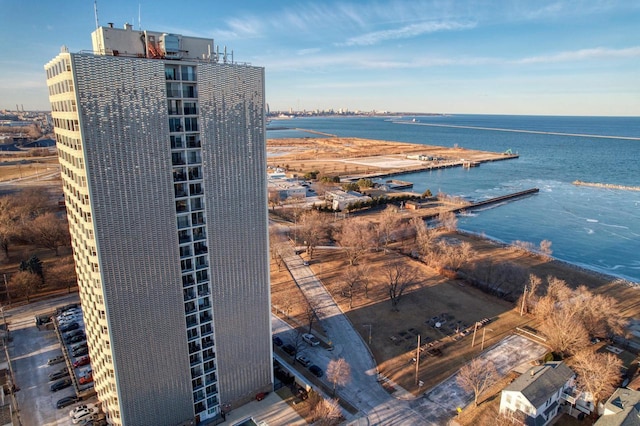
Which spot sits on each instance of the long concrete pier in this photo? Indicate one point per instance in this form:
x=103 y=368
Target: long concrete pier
x=498 y=199
x=472 y=205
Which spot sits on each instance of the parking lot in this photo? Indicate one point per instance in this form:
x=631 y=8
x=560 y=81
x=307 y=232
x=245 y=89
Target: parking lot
x=30 y=349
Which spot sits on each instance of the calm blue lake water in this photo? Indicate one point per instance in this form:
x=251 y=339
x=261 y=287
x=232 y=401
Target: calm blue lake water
x=591 y=227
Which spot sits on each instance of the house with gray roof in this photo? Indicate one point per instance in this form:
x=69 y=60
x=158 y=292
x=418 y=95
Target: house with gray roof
x=535 y=397
x=621 y=409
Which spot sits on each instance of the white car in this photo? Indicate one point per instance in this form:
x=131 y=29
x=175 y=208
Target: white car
x=303 y=360
x=89 y=408
x=310 y=339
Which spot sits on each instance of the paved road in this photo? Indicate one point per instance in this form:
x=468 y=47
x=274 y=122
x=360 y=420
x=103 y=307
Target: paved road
x=377 y=406
x=363 y=391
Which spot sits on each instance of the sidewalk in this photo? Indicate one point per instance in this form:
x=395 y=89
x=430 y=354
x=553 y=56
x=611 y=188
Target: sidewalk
x=272 y=410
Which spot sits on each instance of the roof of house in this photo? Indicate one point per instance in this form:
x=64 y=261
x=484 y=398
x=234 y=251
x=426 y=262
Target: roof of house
x=540 y=382
x=625 y=405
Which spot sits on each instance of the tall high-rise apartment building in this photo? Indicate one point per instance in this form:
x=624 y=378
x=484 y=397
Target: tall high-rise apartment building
x=162 y=150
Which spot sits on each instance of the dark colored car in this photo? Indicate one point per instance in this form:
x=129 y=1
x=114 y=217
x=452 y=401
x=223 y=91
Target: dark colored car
x=60 y=384
x=55 y=360
x=289 y=349
x=80 y=351
x=59 y=374
x=68 y=327
x=73 y=333
x=277 y=341
x=77 y=346
x=66 y=401
x=75 y=339
x=316 y=371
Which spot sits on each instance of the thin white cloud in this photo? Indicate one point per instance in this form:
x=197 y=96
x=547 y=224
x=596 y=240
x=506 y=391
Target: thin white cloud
x=407 y=31
x=583 y=54
x=310 y=51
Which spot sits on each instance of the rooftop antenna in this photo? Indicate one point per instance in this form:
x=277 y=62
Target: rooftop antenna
x=139 y=25
x=95 y=11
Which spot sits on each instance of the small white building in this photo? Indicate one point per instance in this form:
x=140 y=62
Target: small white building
x=535 y=397
x=341 y=199
x=286 y=188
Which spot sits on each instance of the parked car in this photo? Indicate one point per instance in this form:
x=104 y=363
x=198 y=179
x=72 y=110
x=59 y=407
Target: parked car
x=68 y=327
x=60 y=384
x=87 y=378
x=83 y=412
x=316 y=371
x=80 y=351
x=277 y=341
x=289 y=349
x=59 y=374
x=76 y=339
x=56 y=360
x=82 y=408
x=77 y=346
x=73 y=333
x=303 y=360
x=81 y=361
x=305 y=262
x=66 y=401
x=310 y=339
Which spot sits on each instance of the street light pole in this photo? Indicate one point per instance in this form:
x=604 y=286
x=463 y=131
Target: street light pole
x=475 y=328
x=483 y=332
x=417 y=359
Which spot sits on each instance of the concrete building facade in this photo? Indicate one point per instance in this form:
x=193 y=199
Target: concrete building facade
x=162 y=151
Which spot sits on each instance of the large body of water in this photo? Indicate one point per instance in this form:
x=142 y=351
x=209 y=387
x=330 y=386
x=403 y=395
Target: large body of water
x=592 y=227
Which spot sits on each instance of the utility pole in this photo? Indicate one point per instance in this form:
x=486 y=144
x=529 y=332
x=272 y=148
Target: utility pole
x=475 y=328
x=417 y=359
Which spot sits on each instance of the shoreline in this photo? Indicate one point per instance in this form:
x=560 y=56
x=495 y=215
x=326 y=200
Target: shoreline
x=564 y=263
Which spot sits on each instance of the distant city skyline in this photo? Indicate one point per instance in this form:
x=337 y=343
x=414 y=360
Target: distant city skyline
x=565 y=57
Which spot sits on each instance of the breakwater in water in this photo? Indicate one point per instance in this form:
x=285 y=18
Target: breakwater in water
x=606 y=185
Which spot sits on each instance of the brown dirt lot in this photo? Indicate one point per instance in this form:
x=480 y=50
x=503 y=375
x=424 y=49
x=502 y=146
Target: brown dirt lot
x=348 y=156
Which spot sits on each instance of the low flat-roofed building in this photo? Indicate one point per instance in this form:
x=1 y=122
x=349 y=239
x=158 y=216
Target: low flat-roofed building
x=342 y=199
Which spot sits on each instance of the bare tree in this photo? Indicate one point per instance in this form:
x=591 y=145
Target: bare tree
x=30 y=203
x=338 y=373
x=62 y=274
x=453 y=256
x=565 y=331
x=532 y=297
x=313 y=229
x=49 y=231
x=311 y=314
x=352 y=277
x=389 y=221
x=7 y=224
x=25 y=283
x=448 y=221
x=275 y=199
x=398 y=277
x=326 y=412
x=355 y=237
x=277 y=246
x=477 y=376
x=598 y=373
x=545 y=248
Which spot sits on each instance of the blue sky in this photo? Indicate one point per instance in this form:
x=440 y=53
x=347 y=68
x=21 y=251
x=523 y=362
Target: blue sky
x=565 y=57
